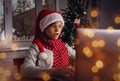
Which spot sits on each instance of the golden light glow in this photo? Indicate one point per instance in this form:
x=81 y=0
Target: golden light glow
x=88 y=53
x=14 y=47
x=94 y=69
x=95 y=24
x=7 y=73
x=117 y=19
x=3 y=55
x=17 y=76
x=95 y=43
x=1 y=70
x=98 y=43
x=94 y=13
x=101 y=43
x=96 y=78
x=119 y=65
x=3 y=78
x=110 y=29
x=116 y=77
x=99 y=64
x=45 y=76
x=119 y=57
x=4 y=42
x=4 y=74
x=118 y=42
x=89 y=33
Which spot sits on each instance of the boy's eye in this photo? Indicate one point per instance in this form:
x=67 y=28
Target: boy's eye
x=60 y=26
x=56 y=26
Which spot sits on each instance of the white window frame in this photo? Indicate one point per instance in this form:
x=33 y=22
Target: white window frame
x=21 y=45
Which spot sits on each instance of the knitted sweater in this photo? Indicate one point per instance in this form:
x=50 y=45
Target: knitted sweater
x=34 y=64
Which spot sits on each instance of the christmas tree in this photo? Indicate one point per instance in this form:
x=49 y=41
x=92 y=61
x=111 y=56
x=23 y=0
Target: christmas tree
x=75 y=16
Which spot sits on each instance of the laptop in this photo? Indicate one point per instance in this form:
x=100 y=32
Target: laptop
x=98 y=55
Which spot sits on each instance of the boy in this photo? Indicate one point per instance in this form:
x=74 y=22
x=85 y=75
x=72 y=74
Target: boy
x=48 y=53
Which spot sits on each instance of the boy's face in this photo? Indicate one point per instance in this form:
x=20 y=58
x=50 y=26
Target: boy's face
x=53 y=31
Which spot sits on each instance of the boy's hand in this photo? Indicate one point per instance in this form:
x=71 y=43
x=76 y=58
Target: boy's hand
x=65 y=71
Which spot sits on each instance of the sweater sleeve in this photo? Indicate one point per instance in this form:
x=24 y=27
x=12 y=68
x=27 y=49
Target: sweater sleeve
x=71 y=51
x=29 y=68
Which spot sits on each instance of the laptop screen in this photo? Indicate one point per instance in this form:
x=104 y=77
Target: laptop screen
x=98 y=55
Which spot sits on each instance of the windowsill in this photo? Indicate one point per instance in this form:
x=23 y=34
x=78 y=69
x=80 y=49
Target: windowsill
x=15 y=46
x=10 y=50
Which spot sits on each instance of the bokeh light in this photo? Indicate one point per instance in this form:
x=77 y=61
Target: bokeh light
x=118 y=42
x=14 y=47
x=99 y=64
x=87 y=51
x=94 y=69
x=3 y=55
x=7 y=73
x=119 y=65
x=95 y=24
x=110 y=29
x=98 y=43
x=96 y=78
x=94 y=13
x=89 y=33
x=17 y=76
x=4 y=74
x=117 y=19
x=119 y=57
x=45 y=76
x=4 y=42
x=116 y=77
x=3 y=78
x=101 y=43
x=84 y=12
x=95 y=43
x=1 y=70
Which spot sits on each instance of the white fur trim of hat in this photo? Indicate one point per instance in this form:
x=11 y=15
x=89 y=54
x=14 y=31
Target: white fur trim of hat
x=49 y=19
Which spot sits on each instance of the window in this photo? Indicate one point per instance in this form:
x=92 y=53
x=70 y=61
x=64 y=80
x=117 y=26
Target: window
x=23 y=17
x=15 y=33
x=17 y=21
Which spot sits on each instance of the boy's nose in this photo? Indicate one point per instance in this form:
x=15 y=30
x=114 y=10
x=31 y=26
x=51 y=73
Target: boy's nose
x=56 y=29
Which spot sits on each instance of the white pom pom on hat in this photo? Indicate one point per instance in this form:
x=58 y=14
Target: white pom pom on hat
x=48 y=17
x=42 y=54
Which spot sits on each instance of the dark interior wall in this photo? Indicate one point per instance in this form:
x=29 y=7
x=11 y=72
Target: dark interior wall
x=108 y=10
x=63 y=4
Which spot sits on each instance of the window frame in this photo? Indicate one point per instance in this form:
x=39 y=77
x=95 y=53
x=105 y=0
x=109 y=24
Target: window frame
x=21 y=45
x=7 y=25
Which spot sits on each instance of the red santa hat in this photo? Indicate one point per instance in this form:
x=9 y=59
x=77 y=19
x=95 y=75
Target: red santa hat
x=48 y=17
